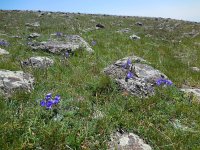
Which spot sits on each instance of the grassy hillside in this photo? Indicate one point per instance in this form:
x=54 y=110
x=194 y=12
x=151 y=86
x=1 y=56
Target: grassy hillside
x=171 y=46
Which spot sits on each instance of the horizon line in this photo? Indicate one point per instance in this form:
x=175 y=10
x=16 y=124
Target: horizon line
x=117 y=15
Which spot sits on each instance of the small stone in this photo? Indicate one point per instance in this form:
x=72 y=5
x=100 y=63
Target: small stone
x=3 y=52
x=34 y=35
x=178 y=125
x=195 y=69
x=35 y=24
x=192 y=92
x=148 y=35
x=98 y=114
x=134 y=37
x=16 y=36
x=100 y=26
x=139 y=23
x=126 y=30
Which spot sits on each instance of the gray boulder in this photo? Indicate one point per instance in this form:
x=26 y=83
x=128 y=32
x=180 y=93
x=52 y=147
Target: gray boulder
x=127 y=141
x=3 y=52
x=68 y=42
x=13 y=80
x=38 y=62
x=143 y=78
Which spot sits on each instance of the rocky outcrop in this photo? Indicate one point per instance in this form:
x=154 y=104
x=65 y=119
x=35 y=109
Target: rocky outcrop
x=133 y=75
x=127 y=141
x=13 y=80
x=38 y=62
x=68 y=42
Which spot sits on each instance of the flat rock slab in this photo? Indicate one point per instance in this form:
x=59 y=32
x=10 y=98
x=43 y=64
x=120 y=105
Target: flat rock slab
x=68 y=42
x=3 y=52
x=38 y=62
x=127 y=141
x=144 y=76
x=194 y=91
x=13 y=80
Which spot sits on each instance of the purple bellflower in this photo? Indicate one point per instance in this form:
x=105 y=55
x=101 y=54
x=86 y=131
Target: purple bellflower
x=93 y=43
x=162 y=81
x=129 y=76
x=127 y=64
x=59 y=34
x=67 y=54
x=48 y=102
x=3 y=43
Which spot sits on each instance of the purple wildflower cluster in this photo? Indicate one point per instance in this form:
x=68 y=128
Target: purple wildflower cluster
x=48 y=102
x=127 y=66
x=163 y=81
x=3 y=43
x=129 y=75
x=93 y=43
x=68 y=53
x=59 y=34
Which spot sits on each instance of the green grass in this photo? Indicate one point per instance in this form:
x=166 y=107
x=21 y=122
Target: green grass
x=84 y=89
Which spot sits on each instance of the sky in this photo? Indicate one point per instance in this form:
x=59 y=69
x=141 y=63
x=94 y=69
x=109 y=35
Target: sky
x=176 y=9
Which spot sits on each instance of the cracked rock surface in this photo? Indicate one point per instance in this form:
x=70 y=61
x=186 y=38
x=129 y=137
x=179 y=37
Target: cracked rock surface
x=13 y=80
x=144 y=76
x=38 y=62
x=127 y=141
x=67 y=42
